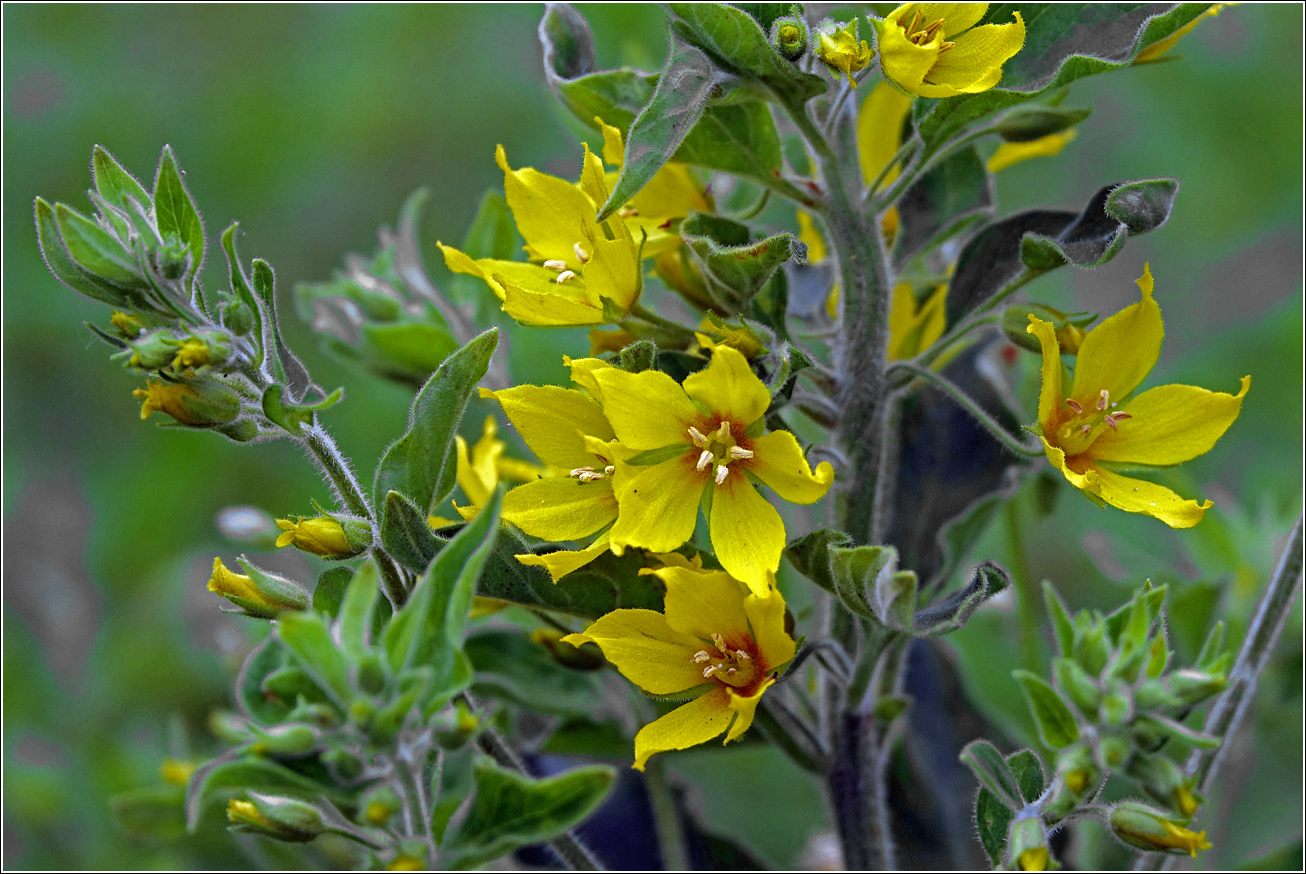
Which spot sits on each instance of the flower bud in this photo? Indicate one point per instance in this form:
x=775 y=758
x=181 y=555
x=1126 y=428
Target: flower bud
x=1078 y=774
x=1027 y=844
x=286 y=819
x=789 y=36
x=1165 y=783
x=126 y=324
x=1147 y=828
x=260 y=594
x=454 y=730
x=326 y=536
x=152 y=351
x=681 y=275
x=202 y=348
x=228 y=727
x=1030 y=123
x=1192 y=686
x=839 y=49
x=176 y=771
x=237 y=316
x=287 y=739
x=410 y=855
x=174 y=259
x=378 y=805
x=189 y=403
x=344 y=766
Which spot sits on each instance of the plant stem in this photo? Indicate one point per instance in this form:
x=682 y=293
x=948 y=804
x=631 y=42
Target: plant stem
x=666 y=819
x=1267 y=624
x=967 y=403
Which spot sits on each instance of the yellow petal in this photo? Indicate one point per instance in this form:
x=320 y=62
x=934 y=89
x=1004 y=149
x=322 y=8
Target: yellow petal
x=766 y=615
x=560 y=507
x=552 y=215
x=933 y=317
x=647 y=410
x=1140 y=496
x=879 y=130
x=647 y=651
x=1169 y=425
x=613 y=271
x=1013 y=153
x=564 y=561
x=747 y=533
x=1049 y=397
x=974 y=64
x=1156 y=49
x=592 y=181
x=671 y=193
x=551 y=309
x=957 y=17
x=658 y=505
x=689 y=725
x=614 y=151
x=729 y=388
x=704 y=603
x=582 y=373
x=744 y=707
x=779 y=463
x=552 y=420
x=1087 y=481
x=1120 y=352
x=902 y=318
x=904 y=63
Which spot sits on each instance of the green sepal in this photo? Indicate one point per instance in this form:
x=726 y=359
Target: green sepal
x=422 y=464
x=659 y=455
x=1056 y=724
x=1077 y=685
x=293 y=417
x=509 y=811
x=733 y=270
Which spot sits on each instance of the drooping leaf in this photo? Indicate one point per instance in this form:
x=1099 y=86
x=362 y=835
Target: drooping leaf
x=734 y=271
x=992 y=771
x=67 y=271
x=421 y=465
x=284 y=364
x=953 y=611
x=510 y=810
x=1031 y=243
x=174 y=208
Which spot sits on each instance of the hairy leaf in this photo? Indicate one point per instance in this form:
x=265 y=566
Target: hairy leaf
x=174 y=208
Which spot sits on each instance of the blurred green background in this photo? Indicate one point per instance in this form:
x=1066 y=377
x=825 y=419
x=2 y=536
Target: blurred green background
x=310 y=125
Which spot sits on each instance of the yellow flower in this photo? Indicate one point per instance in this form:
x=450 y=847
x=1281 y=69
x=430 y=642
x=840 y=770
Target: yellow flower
x=566 y=428
x=1098 y=425
x=716 y=640
x=842 y=53
x=1157 y=49
x=1013 y=152
x=191 y=353
x=935 y=50
x=481 y=467
x=588 y=274
x=913 y=328
x=702 y=442
x=167 y=397
x=656 y=209
x=325 y=536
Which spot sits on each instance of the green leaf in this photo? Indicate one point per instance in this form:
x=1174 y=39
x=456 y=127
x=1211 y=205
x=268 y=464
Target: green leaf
x=174 y=208
x=1061 y=624
x=735 y=41
x=285 y=365
x=678 y=102
x=306 y=635
x=955 y=610
x=408 y=347
x=405 y=534
x=429 y=629
x=1063 y=42
x=1077 y=685
x=114 y=183
x=736 y=137
x=1056 y=724
x=992 y=819
x=1031 y=243
x=953 y=196
x=421 y=465
x=1028 y=769
x=96 y=250
x=293 y=417
x=270 y=655
x=810 y=555
x=329 y=592
x=510 y=667
x=509 y=811
x=992 y=771
x=66 y=270
x=356 y=611
x=608 y=583
x=240 y=285
x=735 y=273
x=154 y=814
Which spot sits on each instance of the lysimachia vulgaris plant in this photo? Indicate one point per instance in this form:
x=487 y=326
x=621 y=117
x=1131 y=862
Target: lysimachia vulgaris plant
x=786 y=250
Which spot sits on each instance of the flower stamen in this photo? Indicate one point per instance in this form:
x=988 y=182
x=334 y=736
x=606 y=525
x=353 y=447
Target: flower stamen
x=704 y=459
x=555 y=265
x=1074 y=405
x=1104 y=400
x=581 y=255
x=721 y=473
x=565 y=275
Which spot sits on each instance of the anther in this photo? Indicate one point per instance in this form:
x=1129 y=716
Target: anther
x=581 y=254
x=699 y=657
x=743 y=656
x=721 y=645
x=1103 y=399
x=722 y=431
x=580 y=471
x=628 y=212
x=721 y=473
x=565 y=275
x=739 y=452
x=730 y=672
x=1074 y=405
x=1113 y=418
x=555 y=264
x=1085 y=429
x=609 y=470
x=947 y=46
x=710 y=670
x=697 y=436
x=704 y=459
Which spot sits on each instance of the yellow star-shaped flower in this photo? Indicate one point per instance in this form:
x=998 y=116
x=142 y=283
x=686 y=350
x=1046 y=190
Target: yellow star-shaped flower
x=1099 y=425
x=935 y=49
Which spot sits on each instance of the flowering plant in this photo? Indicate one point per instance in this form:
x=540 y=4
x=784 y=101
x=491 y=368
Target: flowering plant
x=760 y=495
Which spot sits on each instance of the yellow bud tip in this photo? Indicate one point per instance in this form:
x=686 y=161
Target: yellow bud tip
x=377 y=813
x=1185 y=801
x=245 y=812
x=192 y=353
x=404 y=862
x=1033 y=859
x=167 y=398
x=225 y=582
x=176 y=771
x=1185 y=839
x=1077 y=781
